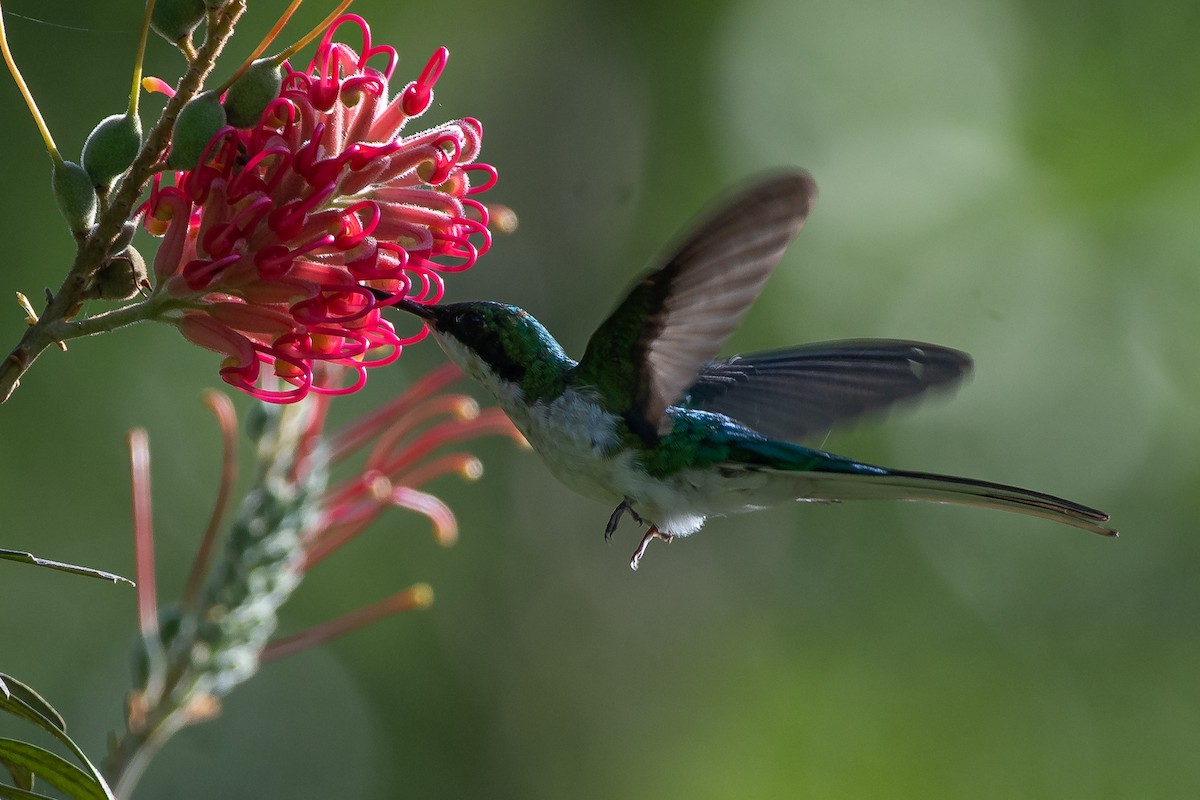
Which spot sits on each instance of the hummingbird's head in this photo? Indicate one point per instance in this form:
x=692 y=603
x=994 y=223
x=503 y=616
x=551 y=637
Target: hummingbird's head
x=506 y=341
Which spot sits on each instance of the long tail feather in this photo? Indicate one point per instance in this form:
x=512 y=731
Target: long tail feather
x=928 y=487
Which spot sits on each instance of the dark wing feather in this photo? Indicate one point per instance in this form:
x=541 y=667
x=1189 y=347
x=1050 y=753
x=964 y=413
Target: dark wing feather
x=931 y=488
x=651 y=348
x=803 y=391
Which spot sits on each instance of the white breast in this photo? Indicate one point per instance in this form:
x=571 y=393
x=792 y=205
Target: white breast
x=578 y=441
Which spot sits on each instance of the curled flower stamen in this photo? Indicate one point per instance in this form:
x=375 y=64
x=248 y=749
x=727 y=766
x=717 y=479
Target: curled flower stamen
x=202 y=272
x=489 y=182
x=445 y=527
x=360 y=378
x=419 y=94
x=321 y=213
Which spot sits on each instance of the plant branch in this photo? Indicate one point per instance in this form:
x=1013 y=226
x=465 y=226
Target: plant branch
x=92 y=251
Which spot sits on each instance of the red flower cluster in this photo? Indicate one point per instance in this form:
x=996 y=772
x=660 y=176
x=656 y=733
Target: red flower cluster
x=278 y=245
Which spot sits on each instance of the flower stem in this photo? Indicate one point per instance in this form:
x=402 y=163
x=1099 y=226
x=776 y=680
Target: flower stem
x=413 y=598
x=25 y=93
x=216 y=642
x=135 y=751
x=136 y=93
x=262 y=46
x=223 y=409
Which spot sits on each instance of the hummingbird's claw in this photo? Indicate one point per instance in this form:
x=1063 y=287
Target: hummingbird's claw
x=653 y=533
x=615 y=519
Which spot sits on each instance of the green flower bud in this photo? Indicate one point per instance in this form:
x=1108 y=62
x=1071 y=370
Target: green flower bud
x=175 y=20
x=123 y=238
x=250 y=94
x=111 y=147
x=76 y=195
x=121 y=277
x=196 y=125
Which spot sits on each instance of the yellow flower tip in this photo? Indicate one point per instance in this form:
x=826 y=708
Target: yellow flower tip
x=471 y=469
x=326 y=343
x=275 y=120
x=466 y=409
x=156 y=227
x=426 y=170
x=421 y=596
x=379 y=487
x=153 y=85
x=286 y=370
x=502 y=218
x=445 y=533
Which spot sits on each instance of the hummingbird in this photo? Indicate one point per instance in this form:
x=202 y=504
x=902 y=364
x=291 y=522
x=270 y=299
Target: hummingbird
x=652 y=420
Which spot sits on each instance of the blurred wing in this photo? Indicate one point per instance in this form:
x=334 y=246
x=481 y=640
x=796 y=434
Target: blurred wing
x=803 y=391
x=650 y=350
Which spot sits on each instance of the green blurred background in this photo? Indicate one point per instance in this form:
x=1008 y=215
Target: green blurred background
x=1018 y=179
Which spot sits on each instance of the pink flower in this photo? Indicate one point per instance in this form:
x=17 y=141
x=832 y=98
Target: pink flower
x=278 y=245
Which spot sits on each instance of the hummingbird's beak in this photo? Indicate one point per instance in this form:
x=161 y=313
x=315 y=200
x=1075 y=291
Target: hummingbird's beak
x=426 y=313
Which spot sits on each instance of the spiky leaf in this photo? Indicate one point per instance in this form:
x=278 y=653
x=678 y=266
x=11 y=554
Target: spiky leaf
x=30 y=558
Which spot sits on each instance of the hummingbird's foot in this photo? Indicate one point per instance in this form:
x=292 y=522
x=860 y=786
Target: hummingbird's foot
x=653 y=533
x=615 y=519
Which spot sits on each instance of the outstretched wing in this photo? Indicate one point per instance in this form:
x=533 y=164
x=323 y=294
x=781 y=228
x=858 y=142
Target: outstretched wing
x=803 y=391
x=650 y=350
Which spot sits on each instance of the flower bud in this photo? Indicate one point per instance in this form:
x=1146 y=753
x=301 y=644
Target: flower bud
x=124 y=237
x=111 y=147
x=175 y=20
x=250 y=94
x=121 y=277
x=196 y=125
x=75 y=193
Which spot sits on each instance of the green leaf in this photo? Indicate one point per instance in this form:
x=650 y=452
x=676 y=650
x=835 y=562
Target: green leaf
x=13 y=793
x=24 y=694
x=24 y=702
x=30 y=558
x=53 y=769
x=21 y=775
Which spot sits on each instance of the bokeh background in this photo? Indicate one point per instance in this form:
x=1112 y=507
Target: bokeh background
x=1017 y=179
